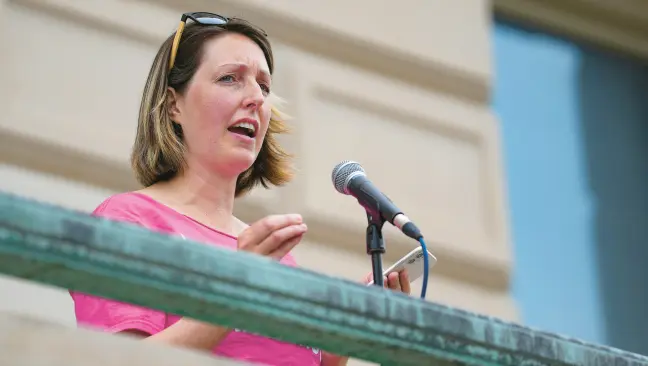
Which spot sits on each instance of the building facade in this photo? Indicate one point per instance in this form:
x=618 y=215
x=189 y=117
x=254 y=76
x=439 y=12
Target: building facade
x=406 y=92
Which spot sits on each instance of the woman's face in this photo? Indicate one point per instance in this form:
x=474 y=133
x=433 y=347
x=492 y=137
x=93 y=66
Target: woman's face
x=223 y=112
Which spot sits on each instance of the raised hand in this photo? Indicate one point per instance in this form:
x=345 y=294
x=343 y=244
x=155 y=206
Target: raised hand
x=273 y=236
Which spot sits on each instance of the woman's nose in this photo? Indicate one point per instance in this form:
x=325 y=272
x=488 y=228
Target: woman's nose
x=254 y=96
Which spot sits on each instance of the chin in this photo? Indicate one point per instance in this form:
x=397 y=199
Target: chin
x=240 y=162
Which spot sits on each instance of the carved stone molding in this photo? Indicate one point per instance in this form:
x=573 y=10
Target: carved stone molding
x=131 y=19
x=298 y=31
x=39 y=155
x=620 y=25
x=143 y=20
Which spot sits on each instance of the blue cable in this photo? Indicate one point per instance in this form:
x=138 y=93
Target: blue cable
x=426 y=266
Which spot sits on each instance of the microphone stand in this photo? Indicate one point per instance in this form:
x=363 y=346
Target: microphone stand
x=375 y=246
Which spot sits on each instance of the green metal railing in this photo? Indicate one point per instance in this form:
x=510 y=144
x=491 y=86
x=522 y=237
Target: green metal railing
x=74 y=250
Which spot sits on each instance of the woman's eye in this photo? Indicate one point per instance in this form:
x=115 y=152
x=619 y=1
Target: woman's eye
x=265 y=88
x=227 y=78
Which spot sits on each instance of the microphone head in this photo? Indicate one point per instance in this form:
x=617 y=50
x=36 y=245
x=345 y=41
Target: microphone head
x=343 y=172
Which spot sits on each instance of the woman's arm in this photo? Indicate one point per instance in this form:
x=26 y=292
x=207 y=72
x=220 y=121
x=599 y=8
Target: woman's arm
x=148 y=324
x=189 y=333
x=329 y=359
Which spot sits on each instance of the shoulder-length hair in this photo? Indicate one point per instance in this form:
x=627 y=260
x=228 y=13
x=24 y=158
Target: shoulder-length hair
x=158 y=151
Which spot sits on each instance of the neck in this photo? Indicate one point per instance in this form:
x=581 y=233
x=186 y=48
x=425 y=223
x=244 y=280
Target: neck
x=204 y=196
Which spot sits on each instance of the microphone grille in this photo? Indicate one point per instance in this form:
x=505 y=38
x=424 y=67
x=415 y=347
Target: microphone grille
x=341 y=173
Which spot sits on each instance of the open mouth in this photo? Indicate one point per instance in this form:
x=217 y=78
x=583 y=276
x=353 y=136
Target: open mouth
x=244 y=128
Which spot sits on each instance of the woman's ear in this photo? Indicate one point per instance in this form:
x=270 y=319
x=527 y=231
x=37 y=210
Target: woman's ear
x=172 y=106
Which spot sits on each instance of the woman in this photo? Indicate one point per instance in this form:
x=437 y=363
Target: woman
x=207 y=134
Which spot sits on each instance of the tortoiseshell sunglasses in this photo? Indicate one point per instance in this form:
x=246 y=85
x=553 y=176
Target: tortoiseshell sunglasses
x=199 y=17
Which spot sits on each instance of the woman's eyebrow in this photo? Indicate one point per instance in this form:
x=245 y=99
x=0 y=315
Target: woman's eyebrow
x=243 y=66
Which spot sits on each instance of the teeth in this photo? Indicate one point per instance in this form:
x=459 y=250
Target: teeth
x=245 y=125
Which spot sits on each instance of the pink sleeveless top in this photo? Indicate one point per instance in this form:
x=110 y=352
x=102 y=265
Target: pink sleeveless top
x=113 y=316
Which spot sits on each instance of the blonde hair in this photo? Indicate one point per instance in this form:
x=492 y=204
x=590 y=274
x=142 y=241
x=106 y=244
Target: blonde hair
x=158 y=151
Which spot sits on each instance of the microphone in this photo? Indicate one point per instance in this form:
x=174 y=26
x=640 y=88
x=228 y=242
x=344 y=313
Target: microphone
x=349 y=178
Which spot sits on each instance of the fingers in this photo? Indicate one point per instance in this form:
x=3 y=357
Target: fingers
x=393 y=281
x=368 y=278
x=267 y=234
x=397 y=281
x=261 y=229
x=286 y=247
x=405 y=282
x=281 y=240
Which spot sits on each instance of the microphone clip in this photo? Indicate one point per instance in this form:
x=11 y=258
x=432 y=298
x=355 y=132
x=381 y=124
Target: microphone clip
x=375 y=246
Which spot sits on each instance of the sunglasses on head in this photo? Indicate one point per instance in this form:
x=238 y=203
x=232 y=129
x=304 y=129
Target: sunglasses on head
x=202 y=18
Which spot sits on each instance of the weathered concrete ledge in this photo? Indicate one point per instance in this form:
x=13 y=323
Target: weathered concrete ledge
x=73 y=250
